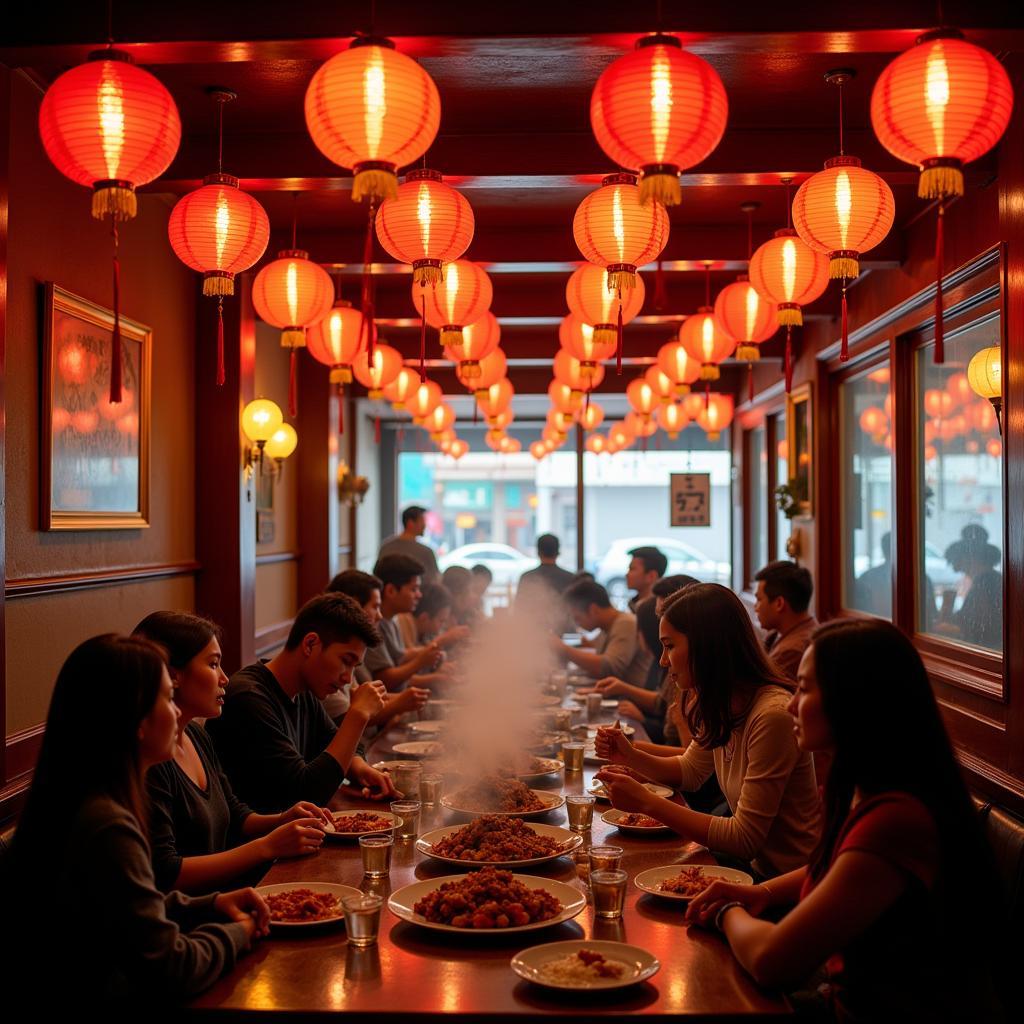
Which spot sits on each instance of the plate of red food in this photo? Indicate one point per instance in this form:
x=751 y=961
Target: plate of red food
x=585 y=964
x=634 y=823
x=685 y=881
x=305 y=904
x=494 y=840
x=353 y=824
x=502 y=796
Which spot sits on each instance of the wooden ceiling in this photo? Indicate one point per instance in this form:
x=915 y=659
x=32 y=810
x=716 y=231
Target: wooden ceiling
x=515 y=82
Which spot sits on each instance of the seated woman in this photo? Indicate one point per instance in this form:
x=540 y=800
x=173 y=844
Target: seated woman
x=742 y=733
x=901 y=899
x=81 y=856
x=202 y=835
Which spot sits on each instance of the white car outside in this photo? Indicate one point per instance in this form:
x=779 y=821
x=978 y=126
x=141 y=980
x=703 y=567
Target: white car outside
x=610 y=570
x=505 y=562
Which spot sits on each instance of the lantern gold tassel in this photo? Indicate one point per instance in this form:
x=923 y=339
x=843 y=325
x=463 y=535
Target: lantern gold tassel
x=662 y=188
x=790 y=315
x=605 y=334
x=841 y=265
x=374 y=183
x=748 y=353
x=709 y=372
x=115 y=201
x=426 y=274
x=216 y=282
x=341 y=375
x=451 y=337
x=940 y=182
x=293 y=337
x=470 y=369
x=620 y=279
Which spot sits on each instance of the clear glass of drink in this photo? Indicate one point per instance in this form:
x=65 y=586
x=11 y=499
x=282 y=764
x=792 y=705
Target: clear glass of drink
x=409 y=812
x=593 y=706
x=362 y=918
x=563 y=719
x=580 y=808
x=406 y=776
x=431 y=784
x=572 y=755
x=376 y=852
x=609 y=889
x=605 y=858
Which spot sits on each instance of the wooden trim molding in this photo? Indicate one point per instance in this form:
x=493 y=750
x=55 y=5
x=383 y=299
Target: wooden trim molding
x=992 y=780
x=275 y=557
x=35 y=586
x=271 y=638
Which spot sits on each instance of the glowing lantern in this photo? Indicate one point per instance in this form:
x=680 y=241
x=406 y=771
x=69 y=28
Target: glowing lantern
x=580 y=340
x=424 y=399
x=614 y=230
x=85 y=422
x=658 y=110
x=663 y=385
x=569 y=370
x=552 y=437
x=982 y=417
x=559 y=422
x=438 y=420
x=492 y=369
x=337 y=339
x=931 y=453
x=444 y=440
x=972 y=447
x=282 y=442
x=672 y=419
x=706 y=341
x=563 y=397
x=372 y=109
x=402 y=388
x=479 y=340
x=874 y=423
x=960 y=388
x=954 y=427
x=74 y=363
x=110 y=126
x=716 y=415
x=592 y=417
x=677 y=364
x=458 y=448
x=461 y=297
x=114 y=410
x=292 y=293
x=788 y=272
x=427 y=224
x=640 y=426
x=994 y=447
x=597 y=443
x=747 y=316
x=261 y=419
x=985 y=375
x=642 y=397
x=594 y=301
x=938 y=404
x=879 y=376
x=494 y=438
x=538 y=450
x=377 y=372
x=61 y=419
x=621 y=436
x=692 y=404
x=496 y=399
x=510 y=446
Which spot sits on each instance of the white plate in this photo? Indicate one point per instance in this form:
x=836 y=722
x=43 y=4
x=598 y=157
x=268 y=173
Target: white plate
x=612 y=817
x=609 y=703
x=420 y=748
x=643 y=964
x=570 y=841
x=548 y=700
x=403 y=900
x=597 y=789
x=394 y=819
x=552 y=767
x=338 y=891
x=426 y=728
x=552 y=801
x=651 y=879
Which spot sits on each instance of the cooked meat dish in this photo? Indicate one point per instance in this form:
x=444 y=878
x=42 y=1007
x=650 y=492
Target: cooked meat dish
x=302 y=905
x=488 y=898
x=493 y=838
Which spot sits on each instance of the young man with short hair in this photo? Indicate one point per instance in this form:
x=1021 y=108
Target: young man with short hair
x=783 y=594
x=647 y=565
x=275 y=740
x=617 y=651
x=414 y=525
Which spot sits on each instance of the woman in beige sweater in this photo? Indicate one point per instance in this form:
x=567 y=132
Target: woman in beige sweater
x=735 y=705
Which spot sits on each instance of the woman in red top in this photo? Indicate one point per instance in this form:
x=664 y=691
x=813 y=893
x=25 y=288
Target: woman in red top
x=901 y=901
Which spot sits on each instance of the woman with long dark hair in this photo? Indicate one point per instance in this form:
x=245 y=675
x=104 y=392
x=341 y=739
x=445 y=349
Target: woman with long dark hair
x=741 y=733
x=202 y=835
x=80 y=855
x=901 y=898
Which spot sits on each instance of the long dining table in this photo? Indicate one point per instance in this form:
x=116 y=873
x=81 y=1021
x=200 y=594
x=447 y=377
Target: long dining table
x=413 y=973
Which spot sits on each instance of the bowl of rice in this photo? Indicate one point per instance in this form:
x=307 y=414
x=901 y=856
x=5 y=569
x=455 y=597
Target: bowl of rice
x=587 y=965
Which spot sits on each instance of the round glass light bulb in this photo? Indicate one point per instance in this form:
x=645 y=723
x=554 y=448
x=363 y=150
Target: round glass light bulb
x=282 y=443
x=260 y=419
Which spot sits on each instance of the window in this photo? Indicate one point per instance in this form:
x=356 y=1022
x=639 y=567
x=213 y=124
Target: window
x=757 y=453
x=960 y=496
x=781 y=477
x=866 y=491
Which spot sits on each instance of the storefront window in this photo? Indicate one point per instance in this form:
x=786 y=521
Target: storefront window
x=960 y=485
x=866 y=490
x=758 y=455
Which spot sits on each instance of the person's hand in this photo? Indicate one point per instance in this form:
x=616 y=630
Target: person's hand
x=294 y=838
x=612 y=745
x=452 y=636
x=410 y=699
x=375 y=785
x=610 y=686
x=305 y=809
x=625 y=793
x=703 y=908
x=368 y=698
x=629 y=710
x=555 y=644
x=429 y=655
x=247 y=907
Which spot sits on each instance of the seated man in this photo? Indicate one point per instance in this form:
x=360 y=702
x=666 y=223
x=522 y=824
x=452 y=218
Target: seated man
x=431 y=619
x=617 y=651
x=784 y=591
x=275 y=740
x=646 y=566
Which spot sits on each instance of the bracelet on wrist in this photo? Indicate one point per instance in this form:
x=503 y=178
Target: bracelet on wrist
x=720 y=916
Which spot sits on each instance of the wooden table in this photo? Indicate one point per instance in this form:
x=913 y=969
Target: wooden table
x=413 y=972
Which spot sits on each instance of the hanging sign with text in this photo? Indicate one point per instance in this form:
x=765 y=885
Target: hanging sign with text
x=691 y=499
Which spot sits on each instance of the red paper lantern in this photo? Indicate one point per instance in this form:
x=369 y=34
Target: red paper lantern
x=592 y=301
x=511 y=446
x=569 y=370
x=496 y=399
x=458 y=448
x=591 y=417
x=220 y=231
x=401 y=388
x=564 y=398
x=642 y=397
x=423 y=401
x=620 y=436
x=788 y=272
x=560 y=418
x=614 y=230
x=111 y=126
x=492 y=369
x=874 y=422
x=584 y=343
x=597 y=443
x=747 y=316
x=461 y=297
x=640 y=426
x=994 y=447
x=658 y=110
x=337 y=339
x=538 y=450
x=663 y=385
x=960 y=388
x=439 y=419
x=692 y=404
x=678 y=365
x=377 y=372
x=672 y=419
x=938 y=403
x=372 y=109
x=706 y=341
x=479 y=340
x=427 y=224
x=715 y=415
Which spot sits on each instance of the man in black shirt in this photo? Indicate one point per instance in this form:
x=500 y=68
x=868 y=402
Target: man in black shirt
x=275 y=740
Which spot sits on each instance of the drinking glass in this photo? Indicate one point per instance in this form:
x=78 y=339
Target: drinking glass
x=605 y=858
x=362 y=918
x=572 y=755
x=580 y=808
x=609 y=889
x=594 y=706
x=563 y=719
x=376 y=852
x=431 y=785
x=409 y=812
x=406 y=776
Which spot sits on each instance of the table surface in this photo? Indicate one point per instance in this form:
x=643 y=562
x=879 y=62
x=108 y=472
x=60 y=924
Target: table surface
x=413 y=971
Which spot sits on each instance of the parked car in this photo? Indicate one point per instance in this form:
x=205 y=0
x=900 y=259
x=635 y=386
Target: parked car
x=610 y=569
x=505 y=562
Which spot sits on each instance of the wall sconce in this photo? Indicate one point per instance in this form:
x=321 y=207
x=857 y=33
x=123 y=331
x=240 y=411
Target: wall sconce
x=351 y=488
x=985 y=375
x=283 y=442
x=263 y=424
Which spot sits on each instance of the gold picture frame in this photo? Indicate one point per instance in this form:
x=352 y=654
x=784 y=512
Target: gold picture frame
x=95 y=455
x=800 y=446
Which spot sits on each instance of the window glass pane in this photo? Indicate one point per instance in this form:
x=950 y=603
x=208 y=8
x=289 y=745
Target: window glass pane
x=781 y=477
x=961 y=487
x=866 y=491
x=759 y=497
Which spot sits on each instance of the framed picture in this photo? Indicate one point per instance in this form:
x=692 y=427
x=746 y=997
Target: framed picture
x=95 y=455
x=800 y=439
x=690 y=495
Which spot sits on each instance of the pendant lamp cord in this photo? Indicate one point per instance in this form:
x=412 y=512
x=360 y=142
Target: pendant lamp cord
x=707 y=282
x=220 y=341
x=940 y=348
x=220 y=134
x=295 y=215
x=789 y=204
x=110 y=23
x=367 y=303
x=841 y=152
x=115 y=336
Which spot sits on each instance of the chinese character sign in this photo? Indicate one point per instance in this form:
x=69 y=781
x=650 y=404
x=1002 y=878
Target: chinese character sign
x=691 y=499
